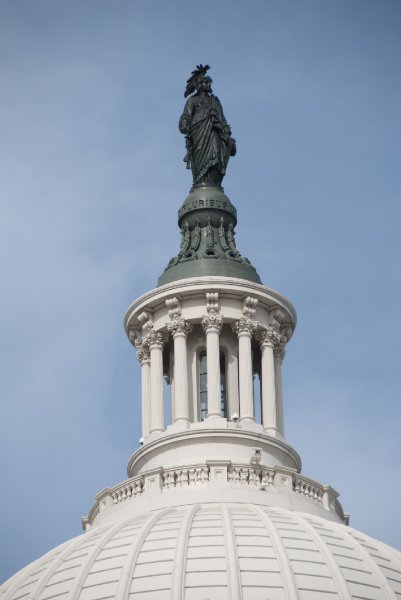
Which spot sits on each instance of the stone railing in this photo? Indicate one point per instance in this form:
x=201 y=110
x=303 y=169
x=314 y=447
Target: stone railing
x=307 y=487
x=185 y=476
x=110 y=496
x=258 y=477
x=129 y=489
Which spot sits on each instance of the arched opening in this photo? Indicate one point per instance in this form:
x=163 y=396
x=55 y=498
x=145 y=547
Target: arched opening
x=203 y=407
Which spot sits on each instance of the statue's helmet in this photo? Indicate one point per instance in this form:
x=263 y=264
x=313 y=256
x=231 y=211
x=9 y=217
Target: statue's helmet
x=197 y=76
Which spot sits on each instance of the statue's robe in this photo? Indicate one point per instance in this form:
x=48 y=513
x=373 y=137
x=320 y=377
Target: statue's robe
x=209 y=145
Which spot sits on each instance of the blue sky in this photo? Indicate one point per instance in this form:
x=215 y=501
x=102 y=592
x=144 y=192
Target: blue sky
x=91 y=92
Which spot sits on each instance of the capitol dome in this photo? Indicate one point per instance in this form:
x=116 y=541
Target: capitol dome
x=216 y=551
x=215 y=506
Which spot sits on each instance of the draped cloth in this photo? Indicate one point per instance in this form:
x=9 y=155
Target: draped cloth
x=209 y=144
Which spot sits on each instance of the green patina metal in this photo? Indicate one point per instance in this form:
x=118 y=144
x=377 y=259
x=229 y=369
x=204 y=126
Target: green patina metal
x=207 y=218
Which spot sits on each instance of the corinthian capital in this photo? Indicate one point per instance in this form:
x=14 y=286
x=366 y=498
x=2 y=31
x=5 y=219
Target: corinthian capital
x=155 y=339
x=269 y=337
x=244 y=326
x=279 y=351
x=212 y=322
x=142 y=354
x=179 y=327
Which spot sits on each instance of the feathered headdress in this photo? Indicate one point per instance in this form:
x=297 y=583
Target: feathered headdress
x=192 y=82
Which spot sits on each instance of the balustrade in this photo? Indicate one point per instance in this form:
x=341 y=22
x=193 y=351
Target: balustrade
x=186 y=476
x=309 y=488
x=258 y=477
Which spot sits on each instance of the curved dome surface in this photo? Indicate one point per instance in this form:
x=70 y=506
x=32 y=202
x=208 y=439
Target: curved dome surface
x=214 y=552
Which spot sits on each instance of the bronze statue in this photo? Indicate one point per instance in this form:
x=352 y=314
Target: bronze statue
x=208 y=135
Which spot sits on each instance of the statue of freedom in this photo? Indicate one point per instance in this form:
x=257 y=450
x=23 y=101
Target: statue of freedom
x=208 y=135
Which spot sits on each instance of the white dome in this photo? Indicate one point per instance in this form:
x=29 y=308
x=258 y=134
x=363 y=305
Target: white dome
x=214 y=551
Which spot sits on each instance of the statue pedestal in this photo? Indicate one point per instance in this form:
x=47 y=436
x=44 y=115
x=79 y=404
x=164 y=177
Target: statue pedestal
x=207 y=220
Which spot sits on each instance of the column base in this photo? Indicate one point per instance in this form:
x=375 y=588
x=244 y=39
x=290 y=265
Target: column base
x=154 y=435
x=273 y=432
x=178 y=425
x=215 y=418
x=249 y=424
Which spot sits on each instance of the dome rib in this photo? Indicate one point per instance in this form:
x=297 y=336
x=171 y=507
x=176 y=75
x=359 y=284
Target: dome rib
x=232 y=556
x=228 y=550
x=359 y=549
x=132 y=556
x=284 y=562
x=42 y=582
x=20 y=578
x=180 y=559
x=333 y=567
x=102 y=541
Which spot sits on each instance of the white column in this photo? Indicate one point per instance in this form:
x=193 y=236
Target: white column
x=232 y=382
x=269 y=410
x=278 y=359
x=171 y=382
x=212 y=325
x=155 y=341
x=269 y=406
x=244 y=328
x=179 y=330
x=144 y=359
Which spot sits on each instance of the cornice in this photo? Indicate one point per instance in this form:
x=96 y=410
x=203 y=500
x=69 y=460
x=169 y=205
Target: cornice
x=221 y=284
x=192 y=436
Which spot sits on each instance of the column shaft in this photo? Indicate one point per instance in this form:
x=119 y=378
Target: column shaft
x=145 y=392
x=245 y=376
x=181 y=408
x=279 y=393
x=213 y=372
x=269 y=408
x=232 y=385
x=156 y=385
